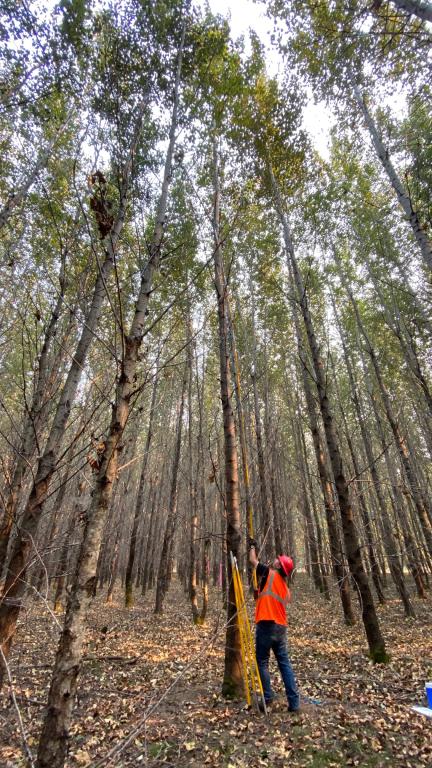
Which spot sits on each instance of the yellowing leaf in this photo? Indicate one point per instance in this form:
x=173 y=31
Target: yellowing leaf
x=82 y=757
x=189 y=746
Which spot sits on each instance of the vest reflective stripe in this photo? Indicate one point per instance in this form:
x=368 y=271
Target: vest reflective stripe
x=273 y=600
x=268 y=592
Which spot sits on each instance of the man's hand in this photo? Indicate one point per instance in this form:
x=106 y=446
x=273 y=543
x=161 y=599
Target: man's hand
x=253 y=558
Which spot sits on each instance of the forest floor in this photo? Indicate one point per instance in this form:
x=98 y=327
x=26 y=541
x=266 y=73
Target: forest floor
x=149 y=693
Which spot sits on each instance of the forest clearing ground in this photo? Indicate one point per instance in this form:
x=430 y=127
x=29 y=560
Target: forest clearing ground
x=133 y=657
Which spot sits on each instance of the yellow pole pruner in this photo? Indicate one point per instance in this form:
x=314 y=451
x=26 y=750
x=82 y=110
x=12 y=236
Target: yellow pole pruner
x=252 y=681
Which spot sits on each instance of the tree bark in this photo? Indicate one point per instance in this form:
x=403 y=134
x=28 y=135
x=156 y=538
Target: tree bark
x=44 y=569
x=370 y=620
x=336 y=551
x=320 y=576
x=418 y=496
x=31 y=427
x=314 y=564
x=410 y=547
x=53 y=742
x=390 y=545
x=402 y=194
x=139 y=503
x=397 y=325
x=164 y=571
x=61 y=575
x=364 y=514
x=264 y=504
x=16 y=576
x=200 y=475
x=235 y=368
x=232 y=685
x=154 y=504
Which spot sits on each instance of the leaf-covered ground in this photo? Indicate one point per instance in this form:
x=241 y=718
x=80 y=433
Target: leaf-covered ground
x=150 y=690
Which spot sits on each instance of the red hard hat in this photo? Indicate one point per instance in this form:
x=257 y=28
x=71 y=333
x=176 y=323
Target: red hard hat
x=287 y=564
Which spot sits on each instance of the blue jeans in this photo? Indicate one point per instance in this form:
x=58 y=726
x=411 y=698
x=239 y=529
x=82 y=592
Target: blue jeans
x=273 y=637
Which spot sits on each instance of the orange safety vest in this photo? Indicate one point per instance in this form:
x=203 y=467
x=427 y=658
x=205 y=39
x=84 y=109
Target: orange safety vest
x=273 y=600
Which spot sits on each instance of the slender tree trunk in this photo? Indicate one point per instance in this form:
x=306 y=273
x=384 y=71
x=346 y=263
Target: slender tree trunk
x=193 y=502
x=235 y=368
x=362 y=502
x=370 y=619
x=286 y=483
x=16 y=576
x=309 y=526
x=53 y=742
x=139 y=504
x=44 y=570
x=164 y=571
x=390 y=544
x=318 y=572
x=419 y=498
x=61 y=575
x=336 y=551
x=270 y=438
x=410 y=547
x=196 y=477
x=154 y=505
x=402 y=194
x=113 y=568
x=276 y=519
x=201 y=478
x=118 y=511
x=233 y=679
x=265 y=513
x=31 y=427
x=366 y=523
x=397 y=325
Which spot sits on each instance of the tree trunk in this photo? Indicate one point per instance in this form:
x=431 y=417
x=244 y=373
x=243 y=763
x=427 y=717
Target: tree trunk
x=276 y=518
x=113 y=568
x=203 y=499
x=31 y=427
x=419 y=498
x=61 y=574
x=369 y=455
x=318 y=571
x=397 y=325
x=268 y=547
x=232 y=685
x=390 y=544
x=235 y=368
x=44 y=570
x=193 y=480
x=139 y=504
x=410 y=546
x=164 y=571
x=16 y=576
x=402 y=194
x=370 y=620
x=336 y=551
x=53 y=742
x=307 y=514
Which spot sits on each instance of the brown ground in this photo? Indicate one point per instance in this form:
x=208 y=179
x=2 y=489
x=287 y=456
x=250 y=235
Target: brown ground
x=150 y=689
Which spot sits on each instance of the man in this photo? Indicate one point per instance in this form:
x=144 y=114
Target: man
x=271 y=624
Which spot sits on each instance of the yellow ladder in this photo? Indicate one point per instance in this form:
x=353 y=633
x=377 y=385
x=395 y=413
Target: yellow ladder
x=252 y=681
